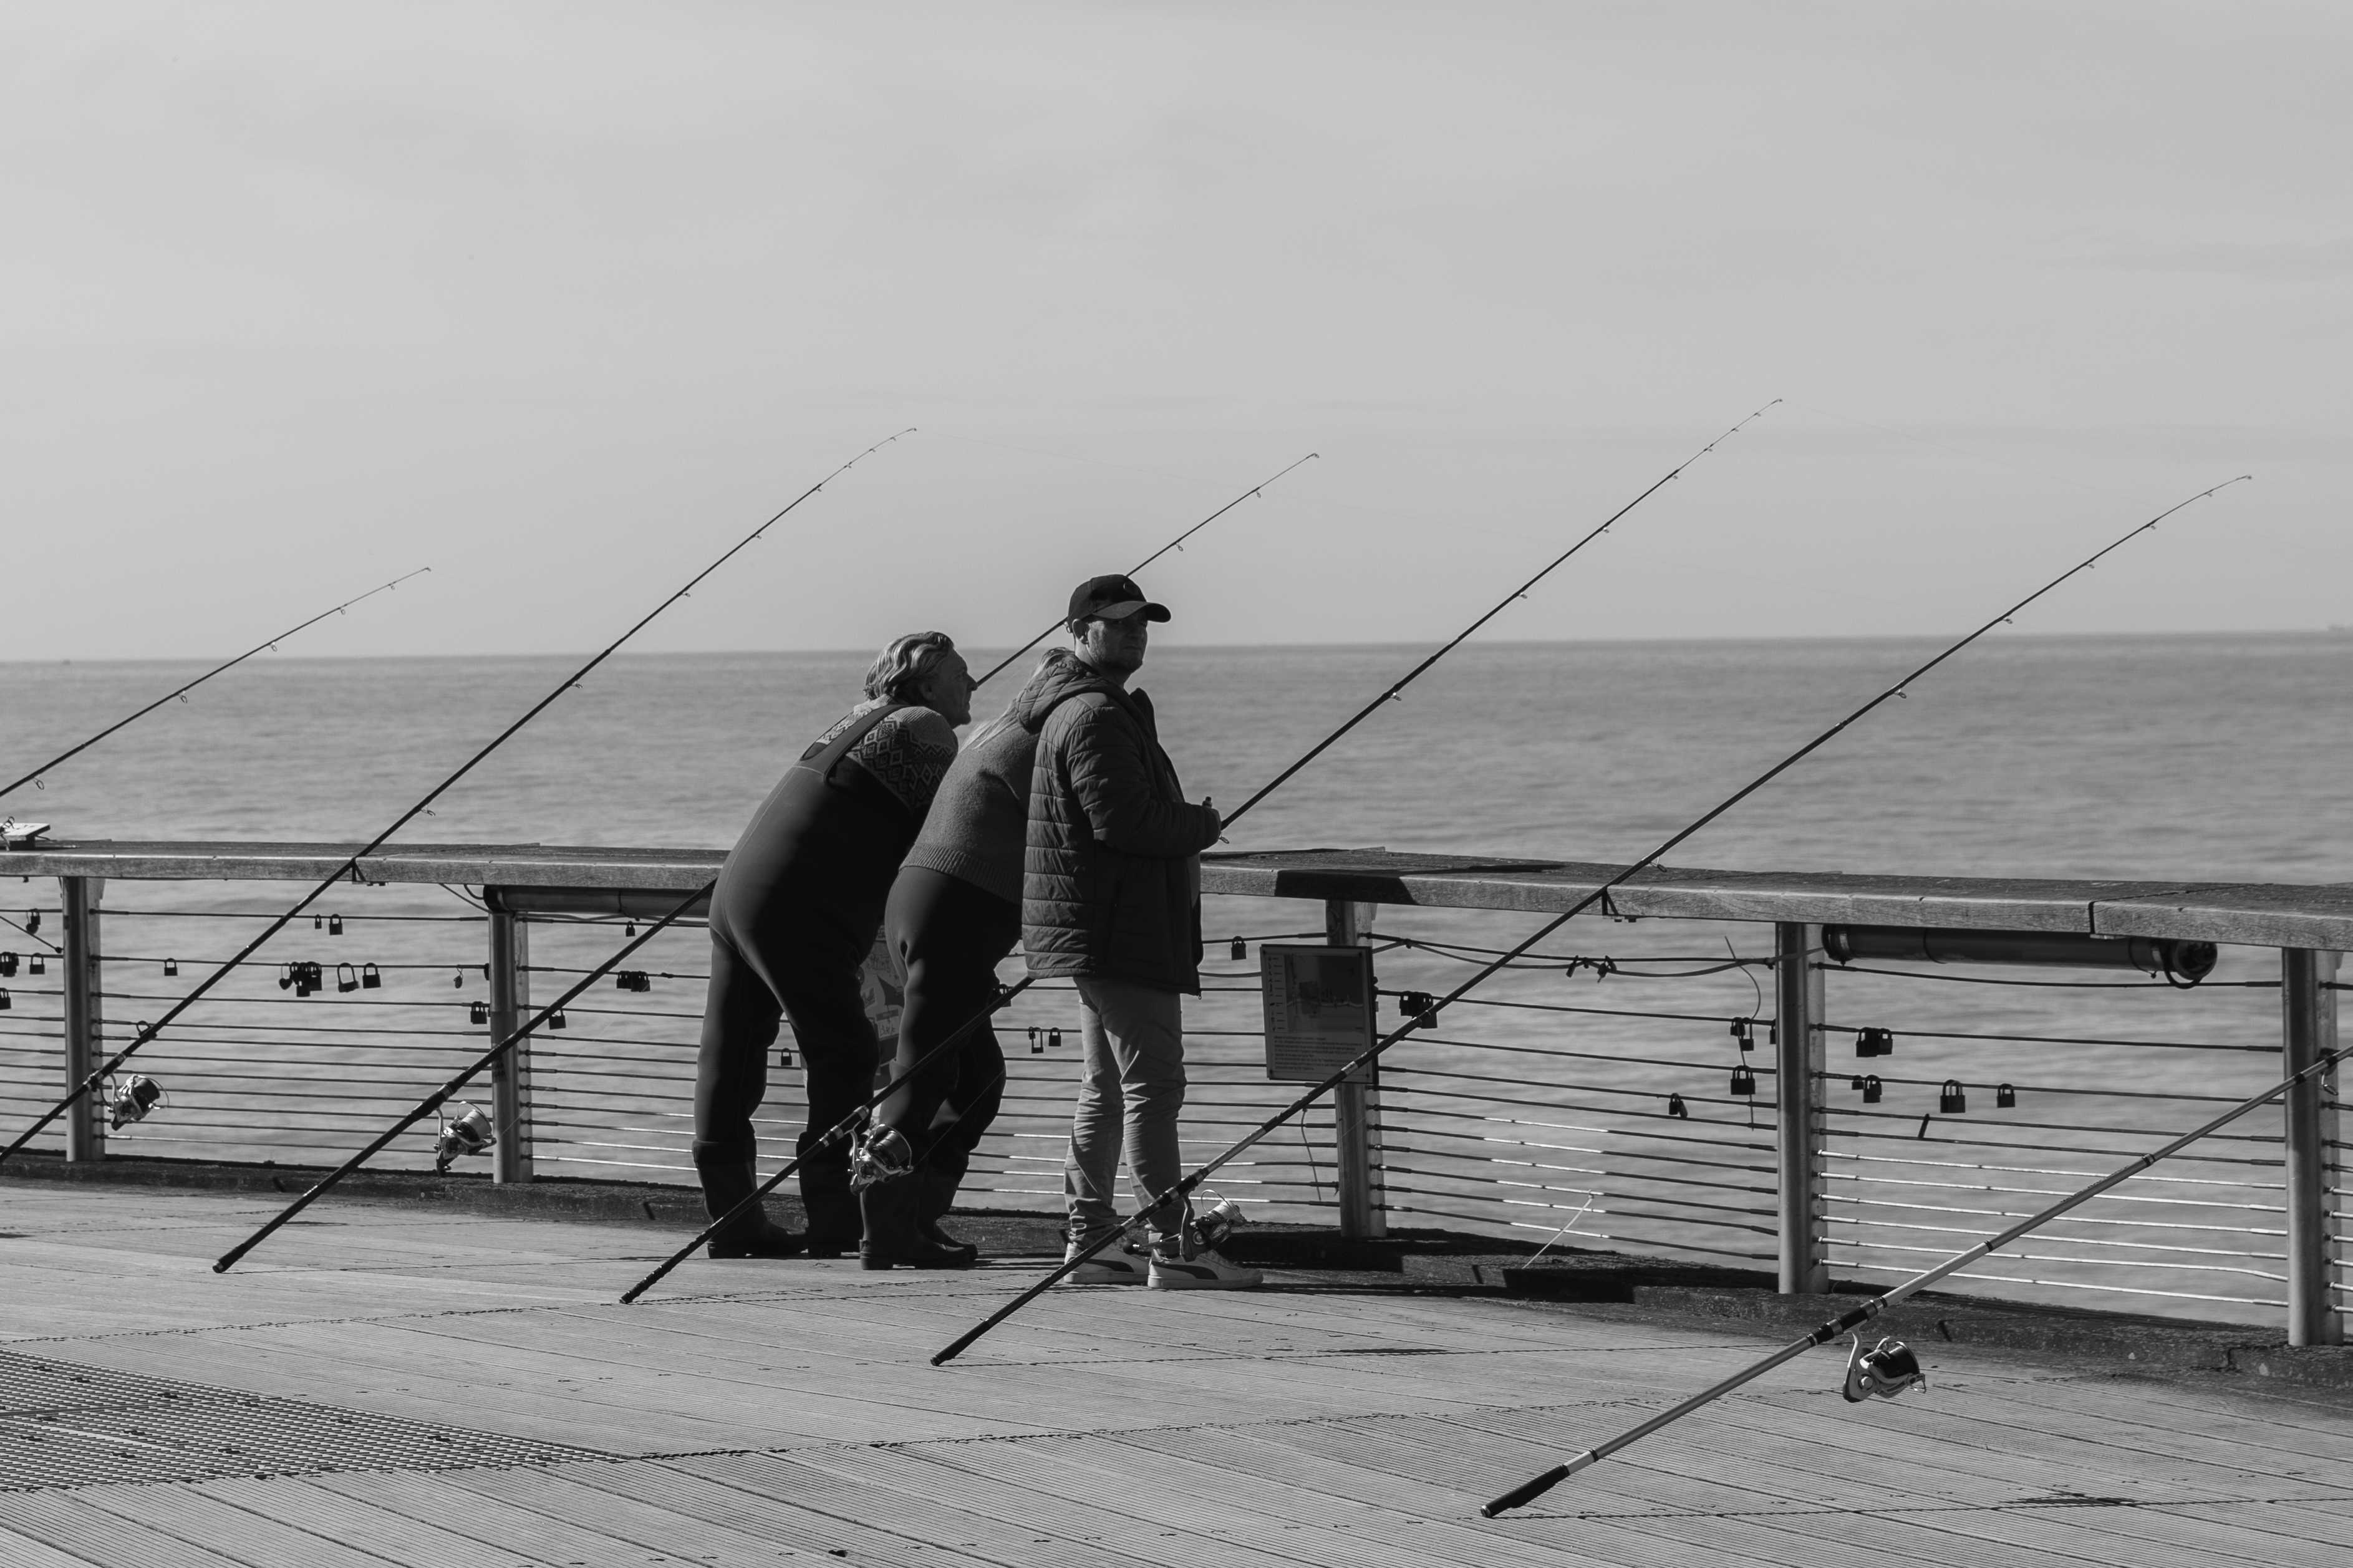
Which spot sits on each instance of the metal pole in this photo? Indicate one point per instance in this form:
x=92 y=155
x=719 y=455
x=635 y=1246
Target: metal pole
x=2308 y=1031
x=1357 y=1106
x=509 y=958
x=85 y=1014
x=1798 y=1106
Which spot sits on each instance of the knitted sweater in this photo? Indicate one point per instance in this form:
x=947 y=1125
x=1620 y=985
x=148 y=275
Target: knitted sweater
x=907 y=754
x=980 y=817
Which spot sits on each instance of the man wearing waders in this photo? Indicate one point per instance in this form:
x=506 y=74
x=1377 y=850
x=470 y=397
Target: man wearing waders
x=954 y=915
x=793 y=918
x=1111 y=896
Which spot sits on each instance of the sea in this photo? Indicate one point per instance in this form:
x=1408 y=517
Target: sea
x=2214 y=758
x=2209 y=757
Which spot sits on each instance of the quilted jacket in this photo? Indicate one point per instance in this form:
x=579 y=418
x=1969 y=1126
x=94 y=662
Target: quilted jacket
x=1109 y=878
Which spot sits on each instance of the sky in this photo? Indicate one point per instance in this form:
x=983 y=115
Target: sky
x=561 y=300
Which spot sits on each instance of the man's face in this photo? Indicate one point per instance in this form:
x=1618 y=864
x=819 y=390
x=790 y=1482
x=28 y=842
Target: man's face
x=948 y=690
x=1115 y=647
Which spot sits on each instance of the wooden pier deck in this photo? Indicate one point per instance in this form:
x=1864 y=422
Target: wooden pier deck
x=388 y=1385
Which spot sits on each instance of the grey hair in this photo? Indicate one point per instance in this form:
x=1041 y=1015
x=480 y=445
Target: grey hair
x=899 y=670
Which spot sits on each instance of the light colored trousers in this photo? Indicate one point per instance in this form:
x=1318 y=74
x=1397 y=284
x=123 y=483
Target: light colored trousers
x=1131 y=1087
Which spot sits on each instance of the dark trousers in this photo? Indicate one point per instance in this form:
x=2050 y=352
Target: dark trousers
x=949 y=936
x=754 y=987
x=792 y=920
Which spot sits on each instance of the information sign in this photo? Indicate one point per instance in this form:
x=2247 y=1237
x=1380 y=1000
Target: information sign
x=1319 y=1010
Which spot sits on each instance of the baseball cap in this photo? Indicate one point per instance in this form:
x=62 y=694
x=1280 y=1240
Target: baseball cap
x=1112 y=599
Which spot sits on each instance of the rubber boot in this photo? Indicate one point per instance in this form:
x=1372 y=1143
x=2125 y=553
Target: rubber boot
x=834 y=1221
x=892 y=1241
x=938 y=1196
x=727 y=1181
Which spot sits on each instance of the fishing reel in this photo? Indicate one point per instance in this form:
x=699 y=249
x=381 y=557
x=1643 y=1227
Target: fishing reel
x=880 y=1154
x=1886 y=1372
x=132 y=1101
x=468 y=1133
x=1212 y=1226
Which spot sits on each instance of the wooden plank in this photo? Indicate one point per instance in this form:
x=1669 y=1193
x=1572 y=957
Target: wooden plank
x=1265 y=1451
x=2034 y=1426
x=65 y=1522
x=405 y=1539
x=1251 y=1514
x=528 y=864
x=2254 y=914
x=652 y=1505
x=208 y=1523
x=501 y=1527
x=1819 y=1540
x=319 y=1361
x=893 y=1484
x=21 y=1551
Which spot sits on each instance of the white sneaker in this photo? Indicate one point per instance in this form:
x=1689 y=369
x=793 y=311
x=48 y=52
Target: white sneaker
x=1112 y=1266
x=1205 y=1270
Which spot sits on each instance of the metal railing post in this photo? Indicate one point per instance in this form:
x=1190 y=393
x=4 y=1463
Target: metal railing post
x=509 y=958
x=1798 y=1106
x=2307 y=1032
x=85 y=1012
x=1357 y=1107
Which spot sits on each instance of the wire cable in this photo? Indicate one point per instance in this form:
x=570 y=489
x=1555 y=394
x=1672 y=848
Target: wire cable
x=263 y=647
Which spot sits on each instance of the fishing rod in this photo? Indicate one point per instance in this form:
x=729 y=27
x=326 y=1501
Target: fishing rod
x=351 y=865
x=845 y=1128
x=263 y=647
x=1184 y=1187
x=1906 y=1370
x=1521 y=592
x=440 y=1097
x=1175 y=543
x=1005 y=996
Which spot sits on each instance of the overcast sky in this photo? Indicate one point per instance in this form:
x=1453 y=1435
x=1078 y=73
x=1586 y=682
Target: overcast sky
x=559 y=300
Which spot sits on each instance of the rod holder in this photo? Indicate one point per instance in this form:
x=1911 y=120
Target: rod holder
x=2184 y=963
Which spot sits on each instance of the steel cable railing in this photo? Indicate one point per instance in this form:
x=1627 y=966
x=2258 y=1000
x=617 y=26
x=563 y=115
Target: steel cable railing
x=1583 y=1101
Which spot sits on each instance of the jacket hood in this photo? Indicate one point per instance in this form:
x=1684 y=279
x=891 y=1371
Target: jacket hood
x=1060 y=675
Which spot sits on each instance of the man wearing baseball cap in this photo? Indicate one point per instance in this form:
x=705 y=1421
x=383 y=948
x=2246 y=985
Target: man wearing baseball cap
x=1111 y=896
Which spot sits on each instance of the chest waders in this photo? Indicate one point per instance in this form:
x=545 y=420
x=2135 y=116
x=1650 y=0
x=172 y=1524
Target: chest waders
x=792 y=920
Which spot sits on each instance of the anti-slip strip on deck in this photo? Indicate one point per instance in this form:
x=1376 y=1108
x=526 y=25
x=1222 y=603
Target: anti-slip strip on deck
x=66 y=1425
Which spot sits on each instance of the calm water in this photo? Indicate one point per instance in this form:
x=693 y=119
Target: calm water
x=2209 y=757
x=2202 y=758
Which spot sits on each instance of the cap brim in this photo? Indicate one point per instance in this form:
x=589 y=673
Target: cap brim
x=1128 y=607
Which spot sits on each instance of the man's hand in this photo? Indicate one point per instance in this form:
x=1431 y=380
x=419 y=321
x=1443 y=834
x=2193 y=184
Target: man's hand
x=1217 y=823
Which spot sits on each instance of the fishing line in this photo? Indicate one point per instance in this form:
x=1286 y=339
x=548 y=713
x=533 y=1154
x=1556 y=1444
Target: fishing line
x=35 y=776
x=848 y=1124
x=1416 y=673
x=1535 y=1487
x=1600 y=896
x=351 y=866
x=433 y=1102
x=1175 y=543
x=55 y=950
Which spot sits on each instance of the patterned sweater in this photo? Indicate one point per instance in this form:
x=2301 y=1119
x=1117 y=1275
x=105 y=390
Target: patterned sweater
x=908 y=754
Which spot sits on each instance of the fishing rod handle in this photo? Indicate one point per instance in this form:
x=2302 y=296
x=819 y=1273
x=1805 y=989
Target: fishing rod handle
x=1535 y=1487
